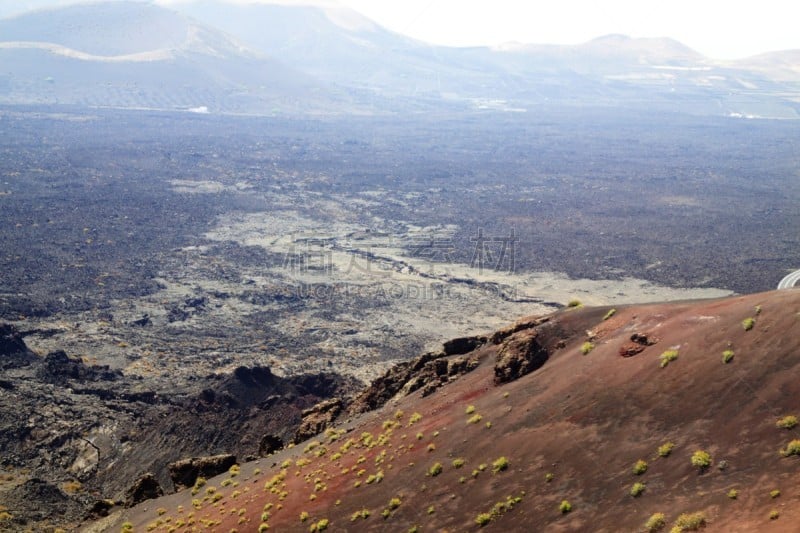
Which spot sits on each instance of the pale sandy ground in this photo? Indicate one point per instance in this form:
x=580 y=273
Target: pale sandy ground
x=366 y=302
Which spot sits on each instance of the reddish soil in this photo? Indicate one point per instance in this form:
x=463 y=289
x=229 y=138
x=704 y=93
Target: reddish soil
x=584 y=419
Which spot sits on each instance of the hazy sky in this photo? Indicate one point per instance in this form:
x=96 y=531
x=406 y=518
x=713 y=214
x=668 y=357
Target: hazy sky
x=723 y=30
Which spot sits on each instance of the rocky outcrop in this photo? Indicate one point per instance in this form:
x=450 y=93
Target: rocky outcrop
x=184 y=473
x=318 y=418
x=13 y=351
x=144 y=488
x=529 y=323
x=463 y=345
x=639 y=341
x=37 y=500
x=520 y=354
x=269 y=444
x=385 y=387
x=427 y=372
x=438 y=372
x=58 y=368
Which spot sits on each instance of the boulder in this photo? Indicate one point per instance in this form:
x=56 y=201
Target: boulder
x=318 y=418
x=269 y=444
x=185 y=472
x=520 y=354
x=13 y=351
x=145 y=488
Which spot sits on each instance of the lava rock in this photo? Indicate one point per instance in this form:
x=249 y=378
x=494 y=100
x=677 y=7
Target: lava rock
x=521 y=354
x=144 y=488
x=269 y=445
x=318 y=418
x=184 y=473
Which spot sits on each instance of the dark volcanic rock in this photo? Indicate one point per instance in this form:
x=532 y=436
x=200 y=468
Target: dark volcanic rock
x=185 y=472
x=521 y=354
x=319 y=417
x=58 y=367
x=269 y=445
x=427 y=372
x=144 y=488
x=499 y=336
x=13 y=351
x=643 y=339
x=463 y=345
x=640 y=342
x=40 y=500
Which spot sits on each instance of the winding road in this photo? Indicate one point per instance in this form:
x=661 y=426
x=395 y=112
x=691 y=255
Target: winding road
x=789 y=281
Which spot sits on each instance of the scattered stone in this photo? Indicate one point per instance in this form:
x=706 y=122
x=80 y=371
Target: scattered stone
x=640 y=342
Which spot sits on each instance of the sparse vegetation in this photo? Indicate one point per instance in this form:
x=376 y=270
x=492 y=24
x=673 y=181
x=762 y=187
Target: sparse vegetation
x=665 y=449
x=470 y=409
x=499 y=464
x=574 y=303
x=774 y=493
x=727 y=356
x=611 y=312
x=474 y=419
x=701 y=459
x=667 y=357
x=483 y=518
x=363 y=514
x=565 y=507
x=786 y=422
x=733 y=494
x=656 y=522
x=321 y=525
x=689 y=522
x=458 y=462
x=587 y=347
x=637 y=489
x=793 y=448
x=748 y=323
x=548 y=477
x=435 y=470
x=640 y=467
x=774 y=514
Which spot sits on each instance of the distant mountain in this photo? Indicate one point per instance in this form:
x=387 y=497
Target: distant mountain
x=343 y=47
x=132 y=54
x=335 y=44
x=263 y=58
x=783 y=65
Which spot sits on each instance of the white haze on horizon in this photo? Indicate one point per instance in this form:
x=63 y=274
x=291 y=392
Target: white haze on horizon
x=720 y=30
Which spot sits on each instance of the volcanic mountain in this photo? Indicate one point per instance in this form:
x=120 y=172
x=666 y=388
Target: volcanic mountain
x=138 y=55
x=637 y=418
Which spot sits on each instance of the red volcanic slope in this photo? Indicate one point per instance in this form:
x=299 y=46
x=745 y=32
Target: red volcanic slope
x=570 y=431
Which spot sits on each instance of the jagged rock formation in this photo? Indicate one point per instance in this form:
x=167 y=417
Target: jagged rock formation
x=185 y=472
x=317 y=418
x=90 y=431
x=520 y=354
x=146 y=487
